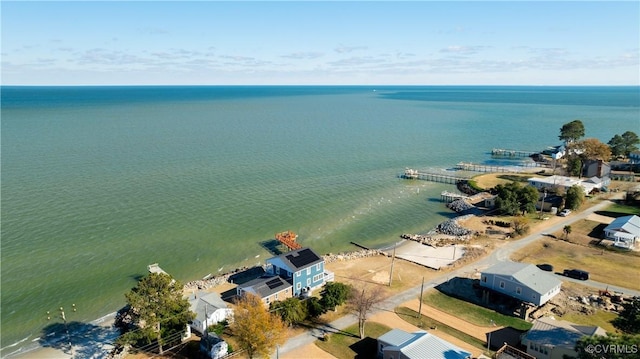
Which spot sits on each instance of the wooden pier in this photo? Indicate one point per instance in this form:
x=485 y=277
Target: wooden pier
x=499 y=152
x=288 y=238
x=477 y=167
x=433 y=176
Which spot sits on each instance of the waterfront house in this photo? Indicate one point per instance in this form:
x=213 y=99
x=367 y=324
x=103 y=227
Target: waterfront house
x=303 y=268
x=524 y=282
x=210 y=309
x=596 y=168
x=556 y=339
x=269 y=289
x=551 y=183
x=623 y=231
x=398 y=344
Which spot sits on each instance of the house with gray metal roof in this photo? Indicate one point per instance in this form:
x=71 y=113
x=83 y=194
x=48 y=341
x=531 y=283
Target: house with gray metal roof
x=269 y=289
x=623 y=231
x=549 y=338
x=521 y=281
x=210 y=309
x=398 y=344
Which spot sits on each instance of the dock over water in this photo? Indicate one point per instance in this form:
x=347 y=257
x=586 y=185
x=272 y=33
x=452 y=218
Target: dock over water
x=433 y=176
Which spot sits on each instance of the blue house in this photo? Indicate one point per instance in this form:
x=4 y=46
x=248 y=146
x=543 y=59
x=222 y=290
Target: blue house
x=303 y=268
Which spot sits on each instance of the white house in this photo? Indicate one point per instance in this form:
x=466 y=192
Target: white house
x=398 y=344
x=210 y=309
x=521 y=281
x=623 y=231
x=554 y=339
x=555 y=181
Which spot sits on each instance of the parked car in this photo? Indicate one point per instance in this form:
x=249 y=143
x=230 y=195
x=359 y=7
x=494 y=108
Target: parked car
x=576 y=274
x=565 y=212
x=545 y=267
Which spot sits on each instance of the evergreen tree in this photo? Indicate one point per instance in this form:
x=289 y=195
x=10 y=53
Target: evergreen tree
x=574 y=197
x=157 y=311
x=572 y=131
x=290 y=310
x=334 y=294
x=629 y=319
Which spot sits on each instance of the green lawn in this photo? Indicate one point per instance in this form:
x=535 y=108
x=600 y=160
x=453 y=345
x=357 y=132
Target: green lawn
x=623 y=209
x=600 y=318
x=347 y=344
x=426 y=323
x=471 y=312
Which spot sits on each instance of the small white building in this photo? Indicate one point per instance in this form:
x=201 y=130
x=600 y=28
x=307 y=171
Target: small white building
x=623 y=231
x=398 y=344
x=555 y=181
x=210 y=309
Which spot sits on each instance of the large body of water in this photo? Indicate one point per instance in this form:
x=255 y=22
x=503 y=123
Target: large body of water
x=99 y=182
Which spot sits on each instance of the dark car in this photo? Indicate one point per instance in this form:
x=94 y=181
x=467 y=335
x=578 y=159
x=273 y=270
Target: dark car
x=545 y=267
x=576 y=274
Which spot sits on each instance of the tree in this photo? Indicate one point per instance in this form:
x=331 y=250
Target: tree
x=512 y=198
x=361 y=302
x=520 y=225
x=571 y=131
x=157 y=310
x=611 y=346
x=290 y=310
x=567 y=231
x=625 y=144
x=257 y=330
x=574 y=197
x=629 y=318
x=334 y=294
x=574 y=166
x=314 y=308
x=593 y=149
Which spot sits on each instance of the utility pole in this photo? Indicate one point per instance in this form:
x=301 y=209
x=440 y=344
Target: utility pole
x=420 y=305
x=542 y=206
x=393 y=258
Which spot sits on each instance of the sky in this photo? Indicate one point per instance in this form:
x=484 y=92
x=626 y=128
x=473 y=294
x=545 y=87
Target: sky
x=320 y=43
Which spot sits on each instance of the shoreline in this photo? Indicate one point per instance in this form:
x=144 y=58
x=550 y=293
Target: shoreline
x=36 y=350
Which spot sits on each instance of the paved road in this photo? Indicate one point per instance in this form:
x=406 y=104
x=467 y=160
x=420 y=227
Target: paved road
x=501 y=254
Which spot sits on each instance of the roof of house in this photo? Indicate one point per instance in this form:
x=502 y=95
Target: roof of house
x=264 y=287
x=628 y=224
x=527 y=274
x=297 y=259
x=206 y=303
x=548 y=331
x=421 y=345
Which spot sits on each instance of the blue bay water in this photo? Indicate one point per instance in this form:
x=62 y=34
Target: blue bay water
x=99 y=182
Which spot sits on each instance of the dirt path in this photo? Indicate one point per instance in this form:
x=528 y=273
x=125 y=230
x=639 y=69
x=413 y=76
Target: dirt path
x=451 y=320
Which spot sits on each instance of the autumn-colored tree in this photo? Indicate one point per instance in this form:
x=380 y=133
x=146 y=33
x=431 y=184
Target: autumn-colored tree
x=520 y=225
x=361 y=302
x=593 y=149
x=257 y=330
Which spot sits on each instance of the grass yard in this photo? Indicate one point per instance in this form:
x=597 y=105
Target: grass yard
x=600 y=318
x=471 y=312
x=491 y=180
x=347 y=344
x=611 y=267
x=620 y=209
x=426 y=323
